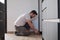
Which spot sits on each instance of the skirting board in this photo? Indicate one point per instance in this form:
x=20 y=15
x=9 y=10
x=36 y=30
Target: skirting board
x=12 y=32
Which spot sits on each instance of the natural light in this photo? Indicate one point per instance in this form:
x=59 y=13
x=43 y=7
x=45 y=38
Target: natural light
x=2 y=1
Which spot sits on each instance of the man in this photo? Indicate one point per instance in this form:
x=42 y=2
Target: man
x=26 y=22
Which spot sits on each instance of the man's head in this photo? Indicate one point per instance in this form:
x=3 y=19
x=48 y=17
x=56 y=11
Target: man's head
x=33 y=13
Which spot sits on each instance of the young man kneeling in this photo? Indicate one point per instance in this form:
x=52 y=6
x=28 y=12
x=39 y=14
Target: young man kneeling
x=24 y=22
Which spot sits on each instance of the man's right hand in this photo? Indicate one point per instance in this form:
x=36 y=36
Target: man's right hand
x=36 y=31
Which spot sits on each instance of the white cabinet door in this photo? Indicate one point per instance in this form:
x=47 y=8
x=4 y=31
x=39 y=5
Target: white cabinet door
x=44 y=30
x=50 y=30
x=50 y=10
x=44 y=9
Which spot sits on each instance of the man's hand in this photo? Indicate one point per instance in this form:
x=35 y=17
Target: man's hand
x=32 y=26
x=36 y=31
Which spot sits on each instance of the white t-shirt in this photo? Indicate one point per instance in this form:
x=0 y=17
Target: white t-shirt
x=21 y=20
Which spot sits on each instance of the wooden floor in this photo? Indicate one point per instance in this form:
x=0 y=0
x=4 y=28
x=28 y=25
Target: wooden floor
x=14 y=37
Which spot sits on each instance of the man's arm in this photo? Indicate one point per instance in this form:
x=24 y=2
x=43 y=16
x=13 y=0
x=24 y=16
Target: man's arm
x=31 y=25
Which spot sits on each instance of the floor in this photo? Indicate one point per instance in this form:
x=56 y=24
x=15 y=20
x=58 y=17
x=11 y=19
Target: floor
x=14 y=37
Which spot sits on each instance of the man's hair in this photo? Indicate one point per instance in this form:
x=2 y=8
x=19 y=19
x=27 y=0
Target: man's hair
x=34 y=12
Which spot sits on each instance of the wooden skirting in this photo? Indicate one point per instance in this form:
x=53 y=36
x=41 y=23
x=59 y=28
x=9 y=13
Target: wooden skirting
x=11 y=32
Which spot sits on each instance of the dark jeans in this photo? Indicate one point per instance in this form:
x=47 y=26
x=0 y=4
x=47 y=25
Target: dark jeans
x=27 y=26
x=22 y=28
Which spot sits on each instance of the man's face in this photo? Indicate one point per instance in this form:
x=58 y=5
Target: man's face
x=32 y=15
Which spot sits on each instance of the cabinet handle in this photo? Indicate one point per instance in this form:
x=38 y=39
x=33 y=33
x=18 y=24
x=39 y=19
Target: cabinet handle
x=44 y=9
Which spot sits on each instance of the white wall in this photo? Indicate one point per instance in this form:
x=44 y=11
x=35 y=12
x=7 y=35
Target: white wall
x=16 y=8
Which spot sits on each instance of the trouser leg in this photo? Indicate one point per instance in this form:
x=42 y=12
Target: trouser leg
x=17 y=29
x=24 y=28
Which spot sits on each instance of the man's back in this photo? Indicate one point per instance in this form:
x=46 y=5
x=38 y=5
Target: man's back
x=21 y=20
